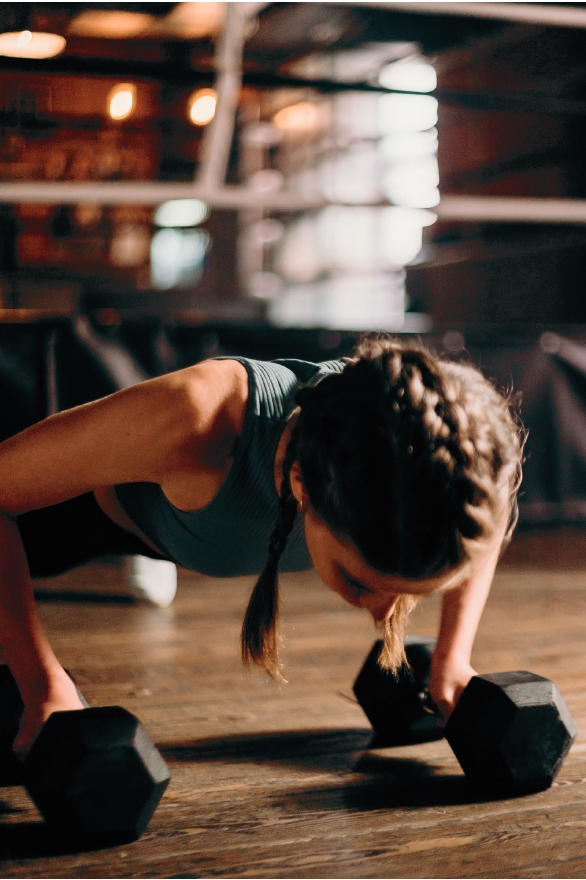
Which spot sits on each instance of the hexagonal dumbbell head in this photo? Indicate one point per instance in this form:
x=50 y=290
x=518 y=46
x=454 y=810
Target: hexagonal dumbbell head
x=395 y=704
x=511 y=732
x=96 y=771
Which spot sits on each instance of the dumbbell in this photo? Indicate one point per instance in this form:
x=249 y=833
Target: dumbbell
x=398 y=706
x=510 y=731
x=92 y=771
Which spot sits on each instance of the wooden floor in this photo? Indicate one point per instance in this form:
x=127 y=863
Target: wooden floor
x=278 y=781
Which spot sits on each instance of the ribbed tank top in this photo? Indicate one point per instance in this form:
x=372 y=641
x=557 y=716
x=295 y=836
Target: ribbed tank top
x=230 y=536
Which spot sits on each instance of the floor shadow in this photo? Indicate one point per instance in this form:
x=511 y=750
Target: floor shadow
x=314 y=749
x=83 y=597
x=402 y=787
x=7 y=809
x=384 y=781
x=31 y=840
x=389 y=783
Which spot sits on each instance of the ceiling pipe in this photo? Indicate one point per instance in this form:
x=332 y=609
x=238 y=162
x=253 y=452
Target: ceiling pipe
x=151 y=193
x=217 y=139
x=502 y=209
x=464 y=209
x=541 y=14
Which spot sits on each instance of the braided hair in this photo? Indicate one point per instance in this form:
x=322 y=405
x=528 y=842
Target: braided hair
x=414 y=460
x=259 y=629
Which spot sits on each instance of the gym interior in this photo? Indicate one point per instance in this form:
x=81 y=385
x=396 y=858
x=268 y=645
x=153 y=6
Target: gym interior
x=183 y=181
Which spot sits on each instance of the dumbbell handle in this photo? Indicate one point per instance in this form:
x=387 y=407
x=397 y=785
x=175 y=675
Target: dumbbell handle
x=11 y=708
x=428 y=704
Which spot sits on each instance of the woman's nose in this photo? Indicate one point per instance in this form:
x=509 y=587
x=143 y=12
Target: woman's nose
x=382 y=609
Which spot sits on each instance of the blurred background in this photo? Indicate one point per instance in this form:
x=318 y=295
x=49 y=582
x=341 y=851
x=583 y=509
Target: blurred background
x=180 y=180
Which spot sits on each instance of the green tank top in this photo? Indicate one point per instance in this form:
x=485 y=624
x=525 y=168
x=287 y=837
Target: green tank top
x=231 y=535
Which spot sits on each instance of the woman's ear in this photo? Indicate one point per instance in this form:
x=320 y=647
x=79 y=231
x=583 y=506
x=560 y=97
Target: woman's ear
x=298 y=486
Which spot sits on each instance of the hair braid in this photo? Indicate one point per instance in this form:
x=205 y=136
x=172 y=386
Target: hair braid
x=447 y=460
x=259 y=638
x=414 y=460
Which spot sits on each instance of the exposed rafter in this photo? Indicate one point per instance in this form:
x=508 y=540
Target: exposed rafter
x=544 y=14
x=474 y=209
x=503 y=209
x=218 y=136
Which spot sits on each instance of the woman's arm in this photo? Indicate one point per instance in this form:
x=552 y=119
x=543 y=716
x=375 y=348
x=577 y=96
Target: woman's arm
x=171 y=430
x=462 y=609
x=43 y=684
x=167 y=430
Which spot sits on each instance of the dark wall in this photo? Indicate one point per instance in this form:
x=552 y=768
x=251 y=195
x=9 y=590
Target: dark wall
x=511 y=123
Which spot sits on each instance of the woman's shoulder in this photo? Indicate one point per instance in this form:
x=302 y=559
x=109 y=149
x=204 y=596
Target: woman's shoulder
x=225 y=386
x=217 y=391
x=210 y=420
x=220 y=391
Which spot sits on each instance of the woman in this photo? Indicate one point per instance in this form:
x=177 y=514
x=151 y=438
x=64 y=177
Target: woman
x=404 y=467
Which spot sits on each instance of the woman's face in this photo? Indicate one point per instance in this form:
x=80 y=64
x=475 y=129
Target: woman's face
x=342 y=569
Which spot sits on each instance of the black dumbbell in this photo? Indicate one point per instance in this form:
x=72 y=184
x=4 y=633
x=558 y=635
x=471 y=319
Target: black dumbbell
x=510 y=731
x=398 y=706
x=93 y=771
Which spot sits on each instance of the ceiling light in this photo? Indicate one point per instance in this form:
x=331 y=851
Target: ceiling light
x=202 y=106
x=410 y=145
x=411 y=74
x=181 y=212
x=110 y=24
x=31 y=44
x=403 y=114
x=122 y=101
x=297 y=117
x=193 y=20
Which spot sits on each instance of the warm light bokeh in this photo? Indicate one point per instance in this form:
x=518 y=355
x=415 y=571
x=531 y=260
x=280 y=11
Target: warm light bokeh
x=297 y=117
x=193 y=20
x=202 y=106
x=31 y=44
x=122 y=101
x=110 y=24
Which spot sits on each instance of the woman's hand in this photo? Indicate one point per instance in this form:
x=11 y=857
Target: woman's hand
x=449 y=676
x=462 y=608
x=61 y=696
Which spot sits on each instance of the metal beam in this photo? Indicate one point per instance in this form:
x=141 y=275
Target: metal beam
x=501 y=209
x=151 y=193
x=541 y=14
x=217 y=140
x=465 y=209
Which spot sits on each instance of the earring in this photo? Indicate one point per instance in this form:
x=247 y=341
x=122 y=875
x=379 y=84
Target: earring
x=301 y=505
